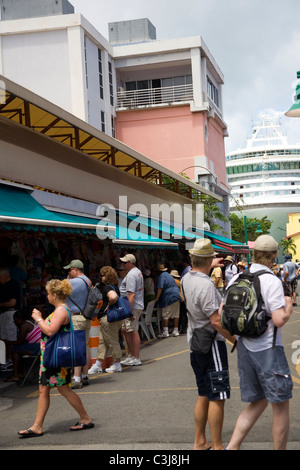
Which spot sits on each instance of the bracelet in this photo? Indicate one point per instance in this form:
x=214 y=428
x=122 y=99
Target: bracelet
x=40 y=319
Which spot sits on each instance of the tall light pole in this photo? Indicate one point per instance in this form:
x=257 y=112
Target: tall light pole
x=294 y=110
x=258 y=230
x=203 y=174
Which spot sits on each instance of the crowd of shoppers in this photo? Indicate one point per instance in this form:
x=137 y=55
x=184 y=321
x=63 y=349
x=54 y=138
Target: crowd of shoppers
x=192 y=301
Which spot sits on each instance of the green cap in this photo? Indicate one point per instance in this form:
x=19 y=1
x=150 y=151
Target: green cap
x=76 y=263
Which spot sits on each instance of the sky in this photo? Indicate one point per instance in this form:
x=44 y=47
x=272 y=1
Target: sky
x=256 y=44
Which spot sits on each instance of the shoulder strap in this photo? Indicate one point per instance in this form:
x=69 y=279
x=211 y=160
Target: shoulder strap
x=70 y=317
x=88 y=287
x=257 y=274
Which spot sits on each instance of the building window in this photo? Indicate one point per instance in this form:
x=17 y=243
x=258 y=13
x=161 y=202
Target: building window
x=85 y=64
x=113 y=129
x=212 y=92
x=103 y=121
x=111 y=87
x=100 y=73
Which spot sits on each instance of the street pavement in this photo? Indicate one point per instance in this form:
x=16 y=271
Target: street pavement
x=150 y=407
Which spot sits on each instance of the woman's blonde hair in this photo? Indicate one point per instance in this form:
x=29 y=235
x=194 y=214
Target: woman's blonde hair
x=110 y=274
x=61 y=288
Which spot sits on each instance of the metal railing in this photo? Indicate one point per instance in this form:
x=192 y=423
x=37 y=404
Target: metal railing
x=154 y=96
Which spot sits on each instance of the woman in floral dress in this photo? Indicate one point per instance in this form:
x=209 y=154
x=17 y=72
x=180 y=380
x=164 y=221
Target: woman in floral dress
x=58 y=291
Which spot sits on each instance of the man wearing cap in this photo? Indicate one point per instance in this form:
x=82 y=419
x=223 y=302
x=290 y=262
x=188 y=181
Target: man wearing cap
x=80 y=284
x=264 y=371
x=168 y=298
x=291 y=271
x=203 y=302
x=132 y=286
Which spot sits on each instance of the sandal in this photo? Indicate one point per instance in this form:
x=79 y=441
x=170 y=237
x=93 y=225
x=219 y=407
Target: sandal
x=29 y=433
x=82 y=426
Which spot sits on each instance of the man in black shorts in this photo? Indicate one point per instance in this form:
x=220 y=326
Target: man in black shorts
x=211 y=369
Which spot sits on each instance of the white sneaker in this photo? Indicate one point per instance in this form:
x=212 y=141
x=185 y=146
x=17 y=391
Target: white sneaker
x=114 y=368
x=135 y=362
x=175 y=333
x=163 y=335
x=126 y=361
x=94 y=370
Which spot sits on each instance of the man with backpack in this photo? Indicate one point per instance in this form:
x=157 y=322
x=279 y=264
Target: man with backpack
x=263 y=368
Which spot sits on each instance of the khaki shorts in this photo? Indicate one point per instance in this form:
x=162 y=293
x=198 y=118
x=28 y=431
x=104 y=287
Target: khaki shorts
x=133 y=325
x=171 y=311
x=81 y=323
x=8 y=329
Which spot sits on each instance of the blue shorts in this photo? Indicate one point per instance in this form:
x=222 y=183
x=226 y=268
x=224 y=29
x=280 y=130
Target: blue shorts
x=211 y=371
x=264 y=374
x=32 y=348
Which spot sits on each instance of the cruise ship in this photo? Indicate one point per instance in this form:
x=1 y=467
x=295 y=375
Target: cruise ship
x=264 y=177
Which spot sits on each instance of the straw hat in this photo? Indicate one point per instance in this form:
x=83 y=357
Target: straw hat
x=229 y=258
x=161 y=267
x=174 y=273
x=202 y=248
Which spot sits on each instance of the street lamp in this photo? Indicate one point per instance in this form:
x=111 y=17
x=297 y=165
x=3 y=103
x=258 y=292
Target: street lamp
x=203 y=174
x=258 y=230
x=294 y=110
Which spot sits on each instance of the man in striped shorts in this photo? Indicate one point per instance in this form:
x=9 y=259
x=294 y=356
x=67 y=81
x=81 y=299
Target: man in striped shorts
x=211 y=369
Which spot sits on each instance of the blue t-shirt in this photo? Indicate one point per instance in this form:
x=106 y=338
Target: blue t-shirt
x=291 y=268
x=80 y=293
x=170 y=292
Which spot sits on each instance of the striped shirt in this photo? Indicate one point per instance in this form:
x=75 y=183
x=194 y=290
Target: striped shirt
x=34 y=336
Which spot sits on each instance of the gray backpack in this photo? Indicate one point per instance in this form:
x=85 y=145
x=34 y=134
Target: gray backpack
x=94 y=302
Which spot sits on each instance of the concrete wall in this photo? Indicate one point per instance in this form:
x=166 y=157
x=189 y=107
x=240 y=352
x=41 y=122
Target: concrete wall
x=175 y=138
x=17 y=9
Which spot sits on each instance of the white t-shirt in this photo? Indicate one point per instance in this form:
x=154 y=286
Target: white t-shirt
x=273 y=299
x=230 y=271
x=134 y=282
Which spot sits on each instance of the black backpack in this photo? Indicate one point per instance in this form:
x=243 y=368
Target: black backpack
x=242 y=312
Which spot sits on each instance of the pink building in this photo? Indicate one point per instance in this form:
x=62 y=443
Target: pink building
x=169 y=103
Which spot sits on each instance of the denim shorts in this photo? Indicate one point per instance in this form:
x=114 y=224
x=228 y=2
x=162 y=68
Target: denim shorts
x=264 y=374
x=211 y=371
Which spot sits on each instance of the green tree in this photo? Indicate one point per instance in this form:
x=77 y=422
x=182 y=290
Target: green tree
x=287 y=245
x=253 y=223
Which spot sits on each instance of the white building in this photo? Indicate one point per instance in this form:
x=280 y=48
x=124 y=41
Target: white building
x=171 y=88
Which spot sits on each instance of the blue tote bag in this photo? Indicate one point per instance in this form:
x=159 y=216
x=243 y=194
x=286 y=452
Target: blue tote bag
x=65 y=348
x=120 y=310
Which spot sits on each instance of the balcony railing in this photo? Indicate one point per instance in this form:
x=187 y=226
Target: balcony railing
x=154 y=96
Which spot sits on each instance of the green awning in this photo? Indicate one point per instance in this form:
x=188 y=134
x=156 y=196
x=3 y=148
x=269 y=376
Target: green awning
x=135 y=228
x=20 y=211
x=226 y=243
